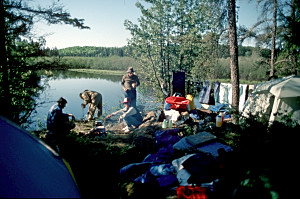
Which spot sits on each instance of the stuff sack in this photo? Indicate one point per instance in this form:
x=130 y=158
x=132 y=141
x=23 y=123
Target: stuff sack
x=177 y=103
x=191 y=192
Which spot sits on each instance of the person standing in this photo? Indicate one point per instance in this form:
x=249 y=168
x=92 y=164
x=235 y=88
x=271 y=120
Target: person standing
x=94 y=99
x=129 y=83
x=58 y=124
x=129 y=114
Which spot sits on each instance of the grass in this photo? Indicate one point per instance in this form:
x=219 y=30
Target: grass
x=95 y=71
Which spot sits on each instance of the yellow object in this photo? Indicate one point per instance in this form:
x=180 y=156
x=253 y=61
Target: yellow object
x=192 y=103
x=218 y=121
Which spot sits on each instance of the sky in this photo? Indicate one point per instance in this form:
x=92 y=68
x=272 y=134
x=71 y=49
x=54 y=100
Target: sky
x=106 y=20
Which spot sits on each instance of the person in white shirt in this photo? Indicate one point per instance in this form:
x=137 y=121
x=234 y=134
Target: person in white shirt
x=129 y=114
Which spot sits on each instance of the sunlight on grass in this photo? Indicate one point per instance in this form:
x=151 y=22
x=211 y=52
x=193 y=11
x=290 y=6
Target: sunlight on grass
x=95 y=71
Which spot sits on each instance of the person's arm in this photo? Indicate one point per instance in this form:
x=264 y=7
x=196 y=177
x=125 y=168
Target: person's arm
x=137 y=81
x=123 y=83
x=116 y=113
x=86 y=99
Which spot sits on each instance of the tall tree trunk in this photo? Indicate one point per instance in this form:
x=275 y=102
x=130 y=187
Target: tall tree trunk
x=4 y=84
x=272 y=71
x=233 y=58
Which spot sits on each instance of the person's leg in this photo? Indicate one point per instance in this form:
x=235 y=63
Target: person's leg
x=132 y=95
x=99 y=106
x=92 y=109
x=133 y=98
x=131 y=120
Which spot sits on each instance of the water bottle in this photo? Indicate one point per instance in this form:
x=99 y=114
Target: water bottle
x=164 y=124
x=219 y=121
x=170 y=124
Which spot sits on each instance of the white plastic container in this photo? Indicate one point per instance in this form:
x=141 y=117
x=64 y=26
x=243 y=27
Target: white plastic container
x=222 y=114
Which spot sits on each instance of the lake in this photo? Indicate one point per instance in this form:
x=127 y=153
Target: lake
x=68 y=84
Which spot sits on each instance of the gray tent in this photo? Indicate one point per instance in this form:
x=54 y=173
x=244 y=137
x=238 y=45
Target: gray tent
x=31 y=169
x=275 y=99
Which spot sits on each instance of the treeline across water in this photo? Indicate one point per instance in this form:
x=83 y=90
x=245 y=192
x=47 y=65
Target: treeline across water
x=94 y=51
x=106 y=58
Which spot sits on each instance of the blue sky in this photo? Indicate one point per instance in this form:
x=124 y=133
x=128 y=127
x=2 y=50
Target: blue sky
x=106 y=20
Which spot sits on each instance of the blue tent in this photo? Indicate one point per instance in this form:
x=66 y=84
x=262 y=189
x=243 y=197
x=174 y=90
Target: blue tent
x=31 y=169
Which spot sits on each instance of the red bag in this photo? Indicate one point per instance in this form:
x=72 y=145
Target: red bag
x=191 y=192
x=177 y=102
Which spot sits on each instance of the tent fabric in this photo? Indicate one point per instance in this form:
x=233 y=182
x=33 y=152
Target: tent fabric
x=259 y=105
x=286 y=106
x=31 y=169
x=287 y=88
x=268 y=101
x=266 y=86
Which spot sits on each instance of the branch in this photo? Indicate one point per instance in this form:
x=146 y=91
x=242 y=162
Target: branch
x=284 y=60
x=153 y=66
x=53 y=15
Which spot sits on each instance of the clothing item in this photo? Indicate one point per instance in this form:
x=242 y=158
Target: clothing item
x=58 y=126
x=130 y=70
x=56 y=118
x=127 y=81
x=94 y=99
x=130 y=116
x=132 y=95
x=204 y=96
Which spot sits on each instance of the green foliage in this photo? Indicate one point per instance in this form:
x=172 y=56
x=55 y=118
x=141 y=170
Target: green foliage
x=92 y=51
x=19 y=84
x=171 y=36
x=96 y=63
x=102 y=63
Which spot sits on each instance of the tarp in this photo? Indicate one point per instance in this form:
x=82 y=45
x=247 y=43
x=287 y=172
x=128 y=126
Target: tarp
x=31 y=169
x=275 y=99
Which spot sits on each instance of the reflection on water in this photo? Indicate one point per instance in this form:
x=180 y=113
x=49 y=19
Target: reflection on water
x=70 y=84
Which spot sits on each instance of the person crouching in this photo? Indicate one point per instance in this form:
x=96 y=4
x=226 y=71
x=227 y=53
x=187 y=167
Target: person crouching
x=94 y=99
x=129 y=114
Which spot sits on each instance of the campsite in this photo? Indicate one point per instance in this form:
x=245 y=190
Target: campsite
x=153 y=161
x=207 y=92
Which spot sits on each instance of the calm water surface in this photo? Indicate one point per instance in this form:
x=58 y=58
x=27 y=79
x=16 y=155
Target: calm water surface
x=69 y=85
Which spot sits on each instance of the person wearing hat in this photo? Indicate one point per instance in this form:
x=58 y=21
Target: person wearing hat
x=94 y=99
x=129 y=114
x=129 y=83
x=57 y=123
